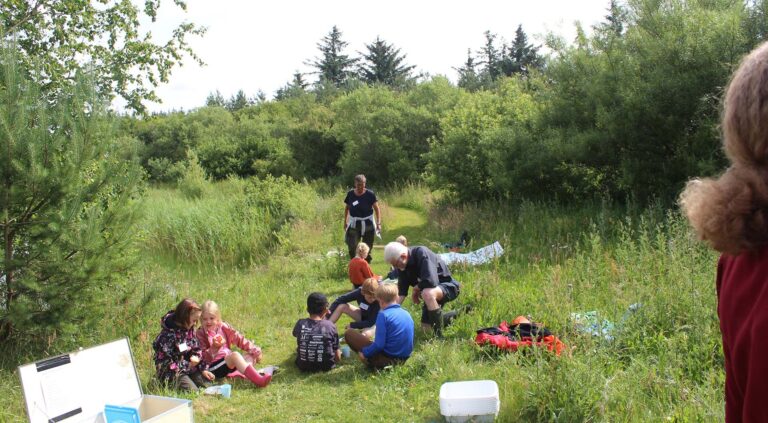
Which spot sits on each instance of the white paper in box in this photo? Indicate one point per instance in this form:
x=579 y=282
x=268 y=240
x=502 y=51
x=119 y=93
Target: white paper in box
x=75 y=387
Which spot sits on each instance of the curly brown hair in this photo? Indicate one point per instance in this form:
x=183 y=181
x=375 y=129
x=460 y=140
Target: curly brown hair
x=731 y=212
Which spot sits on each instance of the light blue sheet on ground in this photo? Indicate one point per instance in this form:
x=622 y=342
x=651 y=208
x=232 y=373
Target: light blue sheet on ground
x=483 y=255
x=590 y=322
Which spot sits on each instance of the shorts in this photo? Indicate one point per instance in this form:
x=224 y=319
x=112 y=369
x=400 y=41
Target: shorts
x=220 y=369
x=450 y=290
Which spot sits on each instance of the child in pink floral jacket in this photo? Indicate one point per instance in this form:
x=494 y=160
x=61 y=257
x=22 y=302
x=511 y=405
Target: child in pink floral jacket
x=216 y=337
x=177 y=357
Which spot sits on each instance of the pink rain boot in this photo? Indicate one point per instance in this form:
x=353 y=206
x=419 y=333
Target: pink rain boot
x=257 y=378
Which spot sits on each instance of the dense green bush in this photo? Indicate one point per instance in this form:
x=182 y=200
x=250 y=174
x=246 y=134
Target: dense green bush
x=383 y=137
x=245 y=148
x=165 y=141
x=643 y=103
x=462 y=161
x=194 y=183
x=162 y=169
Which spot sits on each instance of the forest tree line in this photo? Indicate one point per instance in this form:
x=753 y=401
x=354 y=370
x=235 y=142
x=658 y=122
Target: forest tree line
x=629 y=110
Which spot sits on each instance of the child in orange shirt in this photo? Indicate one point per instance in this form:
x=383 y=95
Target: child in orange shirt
x=359 y=269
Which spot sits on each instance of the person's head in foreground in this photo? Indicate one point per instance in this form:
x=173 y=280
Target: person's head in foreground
x=731 y=212
x=359 y=184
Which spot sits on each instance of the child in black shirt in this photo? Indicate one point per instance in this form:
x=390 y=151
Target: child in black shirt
x=317 y=341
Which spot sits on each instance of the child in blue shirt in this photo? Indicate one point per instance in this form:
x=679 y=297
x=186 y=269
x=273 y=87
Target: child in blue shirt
x=393 y=342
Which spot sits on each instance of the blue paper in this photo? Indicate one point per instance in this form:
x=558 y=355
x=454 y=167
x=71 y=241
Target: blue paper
x=119 y=414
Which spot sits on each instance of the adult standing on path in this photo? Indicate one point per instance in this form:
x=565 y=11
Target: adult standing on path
x=430 y=278
x=359 y=222
x=731 y=214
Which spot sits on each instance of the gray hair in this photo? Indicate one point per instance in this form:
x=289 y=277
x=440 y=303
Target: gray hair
x=360 y=178
x=393 y=251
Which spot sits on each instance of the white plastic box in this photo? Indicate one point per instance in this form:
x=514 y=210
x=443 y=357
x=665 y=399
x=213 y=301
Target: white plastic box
x=474 y=400
x=75 y=388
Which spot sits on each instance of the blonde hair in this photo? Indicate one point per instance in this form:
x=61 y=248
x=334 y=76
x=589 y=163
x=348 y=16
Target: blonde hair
x=213 y=308
x=362 y=250
x=386 y=293
x=401 y=239
x=370 y=286
x=731 y=212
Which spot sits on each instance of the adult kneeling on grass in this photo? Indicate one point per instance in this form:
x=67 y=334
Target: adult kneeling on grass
x=393 y=343
x=432 y=281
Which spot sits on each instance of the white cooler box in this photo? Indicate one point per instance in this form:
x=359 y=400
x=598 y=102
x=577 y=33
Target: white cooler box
x=474 y=400
x=75 y=388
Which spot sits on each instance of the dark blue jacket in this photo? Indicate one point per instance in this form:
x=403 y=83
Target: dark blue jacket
x=368 y=311
x=424 y=269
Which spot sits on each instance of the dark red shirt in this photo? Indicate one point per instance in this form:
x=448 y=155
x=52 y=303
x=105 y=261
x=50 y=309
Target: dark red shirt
x=742 y=291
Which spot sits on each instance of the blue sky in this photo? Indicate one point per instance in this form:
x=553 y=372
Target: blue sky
x=255 y=45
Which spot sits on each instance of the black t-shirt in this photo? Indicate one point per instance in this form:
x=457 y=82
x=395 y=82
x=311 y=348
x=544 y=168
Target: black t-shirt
x=360 y=206
x=316 y=344
x=424 y=269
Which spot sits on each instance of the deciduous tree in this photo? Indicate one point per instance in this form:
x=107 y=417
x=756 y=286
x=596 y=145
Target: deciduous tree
x=124 y=59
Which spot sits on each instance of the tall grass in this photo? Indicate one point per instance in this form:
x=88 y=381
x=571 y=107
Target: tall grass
x=665 y=360
x=234 y=222
x=411 y=195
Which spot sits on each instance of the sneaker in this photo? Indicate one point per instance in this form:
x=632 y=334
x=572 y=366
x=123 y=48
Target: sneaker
x=269 y=370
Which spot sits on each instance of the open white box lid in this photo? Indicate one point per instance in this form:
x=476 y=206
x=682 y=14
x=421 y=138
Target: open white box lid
x=75 y=387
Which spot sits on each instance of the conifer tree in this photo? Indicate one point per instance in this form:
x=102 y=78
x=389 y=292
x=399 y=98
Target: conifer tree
x=490 y=58
x=614 y=20
x=298 y=81
x=238 y=101
x=333 y=66
x=521 y=57
x=66 y=190
x=468 y=78
x=383 y=64
x=294 y=88
x=215 y=99
x=259 y=98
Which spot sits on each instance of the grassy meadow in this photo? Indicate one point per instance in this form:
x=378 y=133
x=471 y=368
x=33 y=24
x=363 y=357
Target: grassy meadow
x=259 y=262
